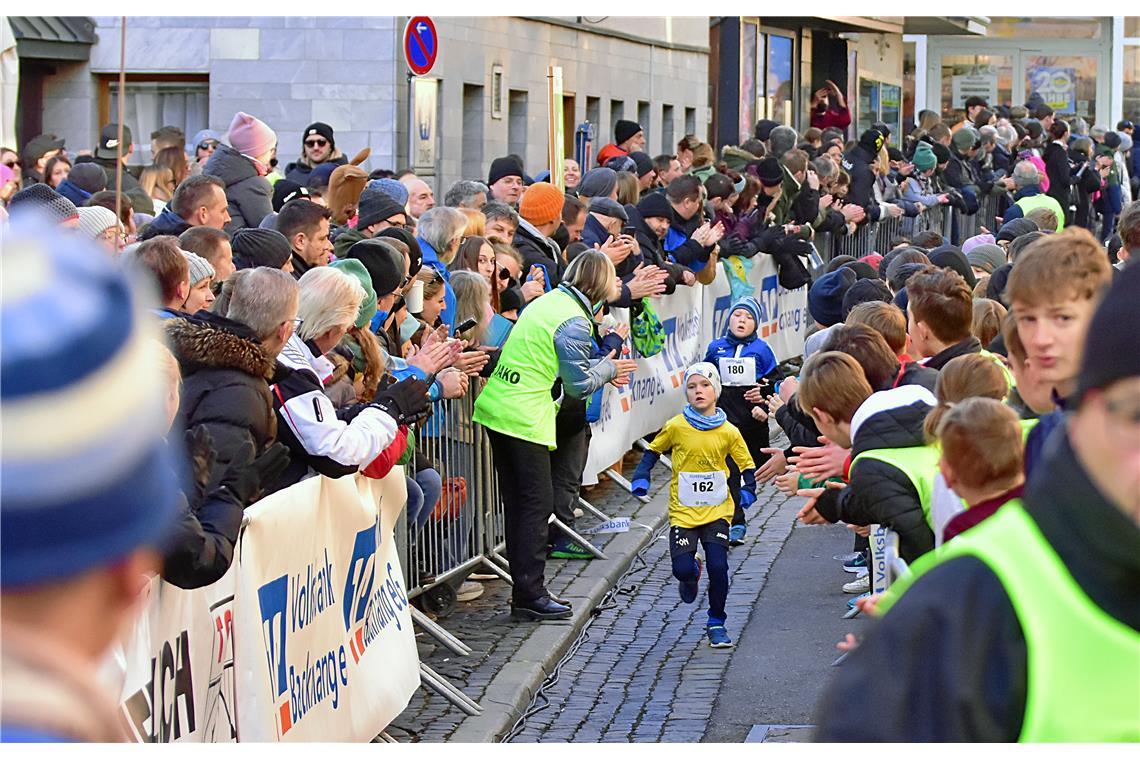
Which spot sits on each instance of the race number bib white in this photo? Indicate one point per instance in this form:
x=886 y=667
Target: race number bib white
x=702 y=489
x=740 y=371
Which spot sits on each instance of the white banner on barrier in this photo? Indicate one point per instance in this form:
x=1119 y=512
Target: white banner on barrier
x=327 y=651
x=692 y=318
x=175 y=671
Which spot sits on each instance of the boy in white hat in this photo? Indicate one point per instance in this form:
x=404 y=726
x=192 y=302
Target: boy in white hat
x=700 y=505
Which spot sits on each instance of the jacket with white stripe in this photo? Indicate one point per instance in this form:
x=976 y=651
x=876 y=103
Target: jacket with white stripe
x=322 y=439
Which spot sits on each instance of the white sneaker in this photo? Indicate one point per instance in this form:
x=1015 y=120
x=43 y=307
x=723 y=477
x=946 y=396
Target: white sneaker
x=860 y=585
x=578 y=512
x=469 y=590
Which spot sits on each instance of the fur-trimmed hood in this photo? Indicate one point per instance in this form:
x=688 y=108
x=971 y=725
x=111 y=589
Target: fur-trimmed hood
x=207 y=341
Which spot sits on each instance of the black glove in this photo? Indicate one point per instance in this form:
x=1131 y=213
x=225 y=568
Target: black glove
x=245 y=475
x=200 y=450
x=405 y=401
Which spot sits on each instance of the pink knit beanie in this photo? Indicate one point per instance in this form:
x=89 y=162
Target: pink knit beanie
x=251 y=136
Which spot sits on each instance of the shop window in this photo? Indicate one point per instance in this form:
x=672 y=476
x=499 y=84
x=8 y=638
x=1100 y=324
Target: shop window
x=749 y=65
x=153 y=101
x=1066 y=83
x=778 y=79
x=879 y=101
x=989 y=76
x=1132 y=83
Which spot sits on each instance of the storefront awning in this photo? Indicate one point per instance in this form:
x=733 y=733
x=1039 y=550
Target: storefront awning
x=941 y=25
x=67 y=38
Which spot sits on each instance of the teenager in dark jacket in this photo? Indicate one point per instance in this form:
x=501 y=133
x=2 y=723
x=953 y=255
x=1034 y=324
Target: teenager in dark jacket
x=851 y=416
x=858 y=163
x=940 y=309
x=684 y=195
x=957 y=657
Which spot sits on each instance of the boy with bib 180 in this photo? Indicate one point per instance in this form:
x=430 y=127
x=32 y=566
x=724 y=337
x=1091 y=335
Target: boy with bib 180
x=700 y=505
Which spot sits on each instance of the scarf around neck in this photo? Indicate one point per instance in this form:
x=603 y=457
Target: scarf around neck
x=703 y=422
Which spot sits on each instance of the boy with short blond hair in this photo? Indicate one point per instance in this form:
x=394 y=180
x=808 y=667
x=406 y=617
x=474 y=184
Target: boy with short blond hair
x=884 y=318
x=1053 y=291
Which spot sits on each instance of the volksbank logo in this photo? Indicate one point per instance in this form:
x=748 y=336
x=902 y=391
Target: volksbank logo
x=370 y=605
x=288 y=604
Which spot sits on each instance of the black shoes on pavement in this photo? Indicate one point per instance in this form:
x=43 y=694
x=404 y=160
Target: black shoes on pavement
x=542 y=608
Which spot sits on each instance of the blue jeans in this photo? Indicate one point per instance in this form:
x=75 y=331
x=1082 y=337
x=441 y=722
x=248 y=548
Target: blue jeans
x=429 y=487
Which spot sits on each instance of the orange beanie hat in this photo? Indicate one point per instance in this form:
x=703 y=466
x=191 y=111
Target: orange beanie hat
x=541 y=203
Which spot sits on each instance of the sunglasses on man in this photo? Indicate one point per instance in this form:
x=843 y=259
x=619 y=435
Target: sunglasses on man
x=207 y=145
x=316 y=142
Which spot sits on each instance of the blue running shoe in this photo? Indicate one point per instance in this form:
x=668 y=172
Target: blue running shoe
x=736 y=535
x=689 y=590
x=855 y=600
x=718 y=637
x=857 y=564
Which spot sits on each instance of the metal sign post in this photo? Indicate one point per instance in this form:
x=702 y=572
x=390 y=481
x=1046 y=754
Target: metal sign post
x=421 y=48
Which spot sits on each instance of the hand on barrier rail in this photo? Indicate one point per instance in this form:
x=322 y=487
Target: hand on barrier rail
x=775 y=465
x=852 y=213
x=453 y=382
x=245 y=475
x=405 y=401
x=625 y=368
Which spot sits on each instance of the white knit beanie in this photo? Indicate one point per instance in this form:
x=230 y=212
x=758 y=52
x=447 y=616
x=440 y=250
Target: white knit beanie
x=93 y=220
x=200 y=269
x=707 y=371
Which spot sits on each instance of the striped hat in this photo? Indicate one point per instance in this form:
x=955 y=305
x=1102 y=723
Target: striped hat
x=85 y=477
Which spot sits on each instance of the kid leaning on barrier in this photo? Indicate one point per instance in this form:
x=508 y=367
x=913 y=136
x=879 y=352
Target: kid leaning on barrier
x=700 y=505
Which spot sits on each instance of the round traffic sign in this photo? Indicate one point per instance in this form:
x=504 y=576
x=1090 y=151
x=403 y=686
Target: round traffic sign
x=421 y=45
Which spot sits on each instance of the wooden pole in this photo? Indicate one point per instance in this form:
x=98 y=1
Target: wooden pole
x=122 y=96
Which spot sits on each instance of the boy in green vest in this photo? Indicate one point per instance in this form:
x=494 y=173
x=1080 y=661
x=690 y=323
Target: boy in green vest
x=892 y=470
x=700 y=505
x=1026 y=628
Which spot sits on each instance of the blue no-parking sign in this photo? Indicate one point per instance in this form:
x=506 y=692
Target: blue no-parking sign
x=421 y=44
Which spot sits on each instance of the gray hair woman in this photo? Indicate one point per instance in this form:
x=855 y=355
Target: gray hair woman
x=551 y=346
x=439 y=234
x=319 y=441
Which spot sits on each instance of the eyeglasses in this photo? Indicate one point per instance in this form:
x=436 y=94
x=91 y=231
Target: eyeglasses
x=207 y=145
x=318 y=142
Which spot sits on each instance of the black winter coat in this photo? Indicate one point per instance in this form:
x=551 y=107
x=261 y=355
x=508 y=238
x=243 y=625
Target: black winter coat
x=540 y=251
x=652 y=251
x=857 y=163
x=969 y=345
x=1060 y=172
x=949 y=661
x=140 y=201
x=298 y=171
x=201 y=546
x=879 y=492
x=249 y=195
x=224 y=384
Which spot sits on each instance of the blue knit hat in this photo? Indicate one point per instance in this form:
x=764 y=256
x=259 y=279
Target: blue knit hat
x=85 y=477
x=825 y=298
x=750 y=305
x=393 y=188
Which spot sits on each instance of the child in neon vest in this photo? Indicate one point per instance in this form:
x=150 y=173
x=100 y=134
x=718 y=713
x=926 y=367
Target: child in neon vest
x=700 y=506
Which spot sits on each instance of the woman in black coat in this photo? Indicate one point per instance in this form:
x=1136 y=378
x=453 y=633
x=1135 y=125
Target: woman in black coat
x=1059 y=168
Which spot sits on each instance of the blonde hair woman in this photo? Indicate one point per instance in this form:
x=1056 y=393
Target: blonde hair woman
x=476 y=223
x=472 y=301
x=318 y=440
x=552 y=341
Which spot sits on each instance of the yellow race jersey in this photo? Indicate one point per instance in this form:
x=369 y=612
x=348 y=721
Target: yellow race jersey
x=698 y=492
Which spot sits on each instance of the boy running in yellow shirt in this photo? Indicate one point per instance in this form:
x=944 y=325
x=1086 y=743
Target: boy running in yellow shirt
x=700 y=505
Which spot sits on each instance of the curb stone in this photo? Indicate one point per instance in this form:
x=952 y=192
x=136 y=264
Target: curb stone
x=513 y=687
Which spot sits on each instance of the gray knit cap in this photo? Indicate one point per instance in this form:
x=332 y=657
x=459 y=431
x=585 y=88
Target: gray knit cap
x=200 y=269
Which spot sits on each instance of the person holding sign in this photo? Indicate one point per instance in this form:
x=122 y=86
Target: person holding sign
x=700 y=505
x=748 y=371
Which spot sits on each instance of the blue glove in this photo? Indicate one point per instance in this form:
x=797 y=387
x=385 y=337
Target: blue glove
x=640 y=487
x=747 y=499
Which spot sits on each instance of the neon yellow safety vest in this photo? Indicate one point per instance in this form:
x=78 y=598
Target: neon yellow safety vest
x=918 y=463
x=1041 y=200
x=516 y=400
x=1027 y=428
x=1083 y=664
x=997 y=359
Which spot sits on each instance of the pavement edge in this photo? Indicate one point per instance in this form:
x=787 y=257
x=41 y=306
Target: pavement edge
x=513 y=687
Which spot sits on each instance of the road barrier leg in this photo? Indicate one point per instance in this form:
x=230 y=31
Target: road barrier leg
x=439 y=633
x=617 y=477
x=643 y=444
x=577 y=537
x=594 y=510
x=448 y=691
